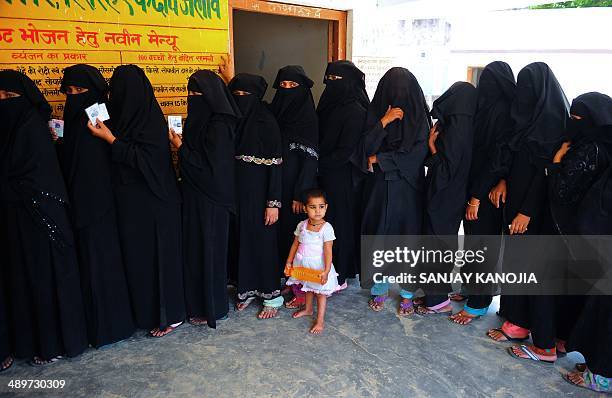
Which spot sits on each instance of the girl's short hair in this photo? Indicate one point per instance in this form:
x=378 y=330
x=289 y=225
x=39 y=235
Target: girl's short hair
x=314 y=193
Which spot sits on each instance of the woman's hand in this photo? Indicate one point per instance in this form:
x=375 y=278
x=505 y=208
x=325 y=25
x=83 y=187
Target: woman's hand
x=471 y=211
x=175 y=139
x=288 y=269
x=391 y=115
x=54 y=135
x=519 y=224
x=101 y=131
x=297 y=207
x=324 y=275
x=498 y=192
x=271 y=216
x=433 y=136
x=561 y=152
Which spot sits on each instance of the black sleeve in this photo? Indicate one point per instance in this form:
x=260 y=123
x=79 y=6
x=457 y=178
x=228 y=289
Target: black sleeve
x=307 y=177
x=569 y=180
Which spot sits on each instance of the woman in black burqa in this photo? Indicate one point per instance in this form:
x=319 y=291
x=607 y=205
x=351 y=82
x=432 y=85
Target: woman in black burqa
x=86 y=165
x=147 y=201
x=448 y=166
x=342 y=111
x=391 y=152
x=294 y=109
x=539 y=113
x=206 y=163
x=258 y=185
x=580 y=188
x=490 y=163
x=40 y=271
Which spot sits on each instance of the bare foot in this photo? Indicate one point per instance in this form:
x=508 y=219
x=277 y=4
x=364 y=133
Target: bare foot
x=197 y=321
x=6 y=364
x=301 y=313
x=157 y=332
x=318 y=327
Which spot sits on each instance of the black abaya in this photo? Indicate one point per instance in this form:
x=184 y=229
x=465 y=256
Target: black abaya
x=45 y=308
x=86 y=165
x=207 y=169
x=342 y=111
x=539 y=112
x=492 y=127
x=147 y=200
x=258 y=187
x=297 y=119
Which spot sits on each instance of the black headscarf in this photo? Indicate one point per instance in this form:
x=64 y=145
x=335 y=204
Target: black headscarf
x=85 y=159
x=257 y=133
x=454 y=111
x=595 y=125
x=210 y=131
x=27 y=156
x=29 y=171
x=136 y=118
x=539 y=111
x=351 y=88
x=399 y=88
x=294 y=108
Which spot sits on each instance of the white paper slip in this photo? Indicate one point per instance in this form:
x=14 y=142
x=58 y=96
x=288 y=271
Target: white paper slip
x=57 y=126
x=176 y=123
x=93 y=113
x=103 y=113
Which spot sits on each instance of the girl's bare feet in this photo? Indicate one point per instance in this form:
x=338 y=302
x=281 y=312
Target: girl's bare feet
x=301 y=313
x=318 y=327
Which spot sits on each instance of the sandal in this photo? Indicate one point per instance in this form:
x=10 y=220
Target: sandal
x=506 y=332
x=295 y=303
x=38 y=361
x=457 y=297
x=581 y=367
x=531 y=353
x=463 y=318
x=406 y=307
x=165 y=332
x=273 y=311
x=424 y=310
x=418 y=300
x=242 y=305
x=589 y=380
x=377 y=303
x=6 y=364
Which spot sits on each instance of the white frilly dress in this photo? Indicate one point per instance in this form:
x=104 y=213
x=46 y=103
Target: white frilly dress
x=310 y=255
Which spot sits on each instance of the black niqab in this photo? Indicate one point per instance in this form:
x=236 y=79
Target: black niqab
x=351 y=88
x=294 y=108
x=25 y=143
x=540 y=111
x=137 y=118
x=85 y=159
x=399 y=88
x=255 y=131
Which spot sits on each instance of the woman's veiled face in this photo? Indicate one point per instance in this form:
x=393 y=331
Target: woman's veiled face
x=194 y=93
x=8 y=94
x=72 y=90
x=333 y=77
x=240 y=93
x=288 y=84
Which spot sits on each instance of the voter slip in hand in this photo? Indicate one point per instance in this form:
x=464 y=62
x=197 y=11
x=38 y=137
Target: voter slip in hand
x=97 y=111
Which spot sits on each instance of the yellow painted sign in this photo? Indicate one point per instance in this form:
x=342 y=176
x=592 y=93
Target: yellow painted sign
x=169 y=39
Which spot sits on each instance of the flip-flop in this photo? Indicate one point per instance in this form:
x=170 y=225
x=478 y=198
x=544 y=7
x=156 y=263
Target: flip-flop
x=423 y=310
x=10 y=365
x=244 y=304
x=405 y=304
x=172 y=329
x=532 y=356
x=43 y=362
x=588 y=374
x=268 y=309
x=377 y=300
x=508 y=338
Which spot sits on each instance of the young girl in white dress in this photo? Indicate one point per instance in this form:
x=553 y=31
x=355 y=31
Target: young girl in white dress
x=312 y=249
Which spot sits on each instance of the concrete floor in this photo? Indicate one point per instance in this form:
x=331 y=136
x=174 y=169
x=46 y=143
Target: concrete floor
x=361 y=354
